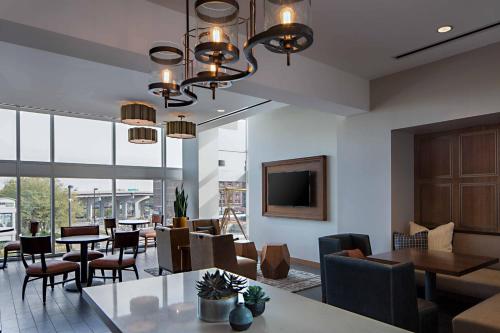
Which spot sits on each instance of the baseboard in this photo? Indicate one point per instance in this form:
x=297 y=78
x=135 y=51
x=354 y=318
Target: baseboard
x=303 y=262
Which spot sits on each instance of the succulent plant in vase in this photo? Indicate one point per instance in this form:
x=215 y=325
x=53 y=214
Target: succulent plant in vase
x=218 y=295
x=180 y=208
x=255 y=300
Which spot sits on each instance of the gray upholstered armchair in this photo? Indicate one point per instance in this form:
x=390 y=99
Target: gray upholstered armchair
x=383 y=292
x=337 y=243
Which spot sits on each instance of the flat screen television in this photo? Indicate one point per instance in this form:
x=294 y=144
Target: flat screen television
x=289 y=189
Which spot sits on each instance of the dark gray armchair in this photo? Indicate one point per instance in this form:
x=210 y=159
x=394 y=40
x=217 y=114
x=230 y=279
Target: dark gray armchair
x=383 y=292
x=336 y=243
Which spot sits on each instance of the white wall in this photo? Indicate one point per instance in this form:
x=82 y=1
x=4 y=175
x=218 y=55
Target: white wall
x=458 y=87
x=208 y=173
x=287 y=133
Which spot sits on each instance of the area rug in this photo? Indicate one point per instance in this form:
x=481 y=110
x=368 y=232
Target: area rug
x=295 y=281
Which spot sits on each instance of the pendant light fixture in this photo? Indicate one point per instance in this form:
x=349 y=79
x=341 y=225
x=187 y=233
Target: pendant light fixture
x=142 y=135
x=216 y=32
x=181 y=129
x=137 y=114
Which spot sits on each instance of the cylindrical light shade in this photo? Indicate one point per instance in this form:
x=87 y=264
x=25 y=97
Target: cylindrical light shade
x=167 y=69
x=138 y=114
x=278 y=12
x=217 y=31
x=287 y=25
x=142 y=135
x=180 y=129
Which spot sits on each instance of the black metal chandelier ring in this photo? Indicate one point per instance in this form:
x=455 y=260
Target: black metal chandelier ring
x=166 y=49
x=287 y=38
x=220 y=53
x=217 y=20
x=158 y=88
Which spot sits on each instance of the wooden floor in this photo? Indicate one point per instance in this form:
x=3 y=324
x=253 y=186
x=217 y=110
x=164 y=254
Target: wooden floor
x=64 y=311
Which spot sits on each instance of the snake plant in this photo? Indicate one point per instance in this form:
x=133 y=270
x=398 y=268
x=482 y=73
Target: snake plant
x=180 y=203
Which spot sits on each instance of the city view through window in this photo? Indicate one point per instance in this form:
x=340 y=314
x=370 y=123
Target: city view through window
x=81 y=147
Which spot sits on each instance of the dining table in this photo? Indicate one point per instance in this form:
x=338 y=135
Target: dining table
x=83 y=241
x=169 y=304
x=435 y=262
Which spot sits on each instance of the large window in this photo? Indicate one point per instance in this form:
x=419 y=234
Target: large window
x=35 y=204
x=138 y=199
x=7 y=210
x=80 y=201
x=133 y=154
x=57 y=194
x=35 y=136
x=8 y=136
x=232 y=174
x=174 y=152
x=80 y=140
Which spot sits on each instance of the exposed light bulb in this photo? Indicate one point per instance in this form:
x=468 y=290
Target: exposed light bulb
x=287 y=15
x=166 y=76
x=216 y=35
x=213 y=68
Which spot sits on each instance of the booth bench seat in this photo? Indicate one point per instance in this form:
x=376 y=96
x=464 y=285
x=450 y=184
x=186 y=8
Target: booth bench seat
x=481 y=284
x=483 y=318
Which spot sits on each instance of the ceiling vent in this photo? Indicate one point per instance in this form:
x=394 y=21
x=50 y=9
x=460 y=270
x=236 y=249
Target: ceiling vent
x=466 y=34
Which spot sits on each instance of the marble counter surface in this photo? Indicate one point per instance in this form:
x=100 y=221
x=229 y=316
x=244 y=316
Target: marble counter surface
x=168 y=304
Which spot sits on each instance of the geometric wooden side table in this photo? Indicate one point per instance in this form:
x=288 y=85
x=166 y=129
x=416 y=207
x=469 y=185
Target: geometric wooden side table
x=275 y=261
x=247 y=249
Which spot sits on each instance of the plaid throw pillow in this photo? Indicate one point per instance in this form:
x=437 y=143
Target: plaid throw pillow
x=416 y=241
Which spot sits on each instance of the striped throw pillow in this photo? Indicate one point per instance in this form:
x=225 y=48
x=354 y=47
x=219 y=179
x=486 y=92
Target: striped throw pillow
x=416 y=241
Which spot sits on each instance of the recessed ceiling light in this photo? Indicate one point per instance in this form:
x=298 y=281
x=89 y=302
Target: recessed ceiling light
x=444 y=29
x=221 y=110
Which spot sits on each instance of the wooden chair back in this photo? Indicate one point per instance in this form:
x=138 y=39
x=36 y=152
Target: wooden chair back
x=35 y=246
x=126 y=239
x=110 y=226
x=80 y=230
x=157 y=220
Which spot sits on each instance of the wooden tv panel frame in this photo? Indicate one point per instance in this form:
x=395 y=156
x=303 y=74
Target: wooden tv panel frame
x=318 y=209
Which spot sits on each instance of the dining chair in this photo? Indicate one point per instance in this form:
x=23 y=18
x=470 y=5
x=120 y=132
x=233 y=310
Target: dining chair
x=209 y=251
x=120 y=262
x=209 y=226
x=336 y=243
x=15 y=246
x=74 y=255
x=383 y=292
x=44 y=269
x=150 y=233
x=110 y=228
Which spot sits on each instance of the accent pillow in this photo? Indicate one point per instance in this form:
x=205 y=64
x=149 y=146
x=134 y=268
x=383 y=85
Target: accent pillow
x=440 y=238
x=356 y=253
x=416 y=241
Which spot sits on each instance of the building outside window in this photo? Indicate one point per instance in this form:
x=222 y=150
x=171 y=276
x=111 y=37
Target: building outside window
x=232 y=145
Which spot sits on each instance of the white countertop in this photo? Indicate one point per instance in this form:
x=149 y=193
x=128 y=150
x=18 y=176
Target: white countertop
x=168 y=304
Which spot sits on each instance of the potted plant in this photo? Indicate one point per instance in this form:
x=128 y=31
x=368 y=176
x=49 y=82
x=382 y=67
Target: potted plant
x=180 y=208
x=255 y=300
x=218 y=295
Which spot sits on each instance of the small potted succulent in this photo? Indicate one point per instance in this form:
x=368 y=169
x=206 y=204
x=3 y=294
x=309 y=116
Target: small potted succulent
x=218 y=295
x=255 y=300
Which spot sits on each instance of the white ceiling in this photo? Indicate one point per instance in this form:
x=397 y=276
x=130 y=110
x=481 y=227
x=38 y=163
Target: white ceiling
x=363 y=36
x=88 y=57
x=88 y=89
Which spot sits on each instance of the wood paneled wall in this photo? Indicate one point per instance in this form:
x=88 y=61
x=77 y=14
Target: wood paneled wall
x=457 y=179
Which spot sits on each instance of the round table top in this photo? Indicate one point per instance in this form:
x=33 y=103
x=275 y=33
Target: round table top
x=133 y=222
x=82 y=239
x=6 y=229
